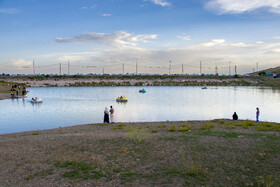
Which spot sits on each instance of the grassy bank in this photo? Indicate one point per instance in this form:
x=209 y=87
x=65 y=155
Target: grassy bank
x=5 y=88
x=192 y=153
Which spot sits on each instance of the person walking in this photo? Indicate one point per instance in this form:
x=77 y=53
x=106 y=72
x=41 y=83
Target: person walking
x=112 y=111
x=257 y=114
x=106 y=115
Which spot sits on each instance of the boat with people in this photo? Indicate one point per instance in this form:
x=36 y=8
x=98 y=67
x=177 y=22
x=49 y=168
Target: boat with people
x=142 y=91
x=204 y=87
x=121 y=99
x=36 y=100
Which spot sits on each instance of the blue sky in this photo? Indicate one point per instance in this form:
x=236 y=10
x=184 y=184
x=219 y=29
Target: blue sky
x=149 y=32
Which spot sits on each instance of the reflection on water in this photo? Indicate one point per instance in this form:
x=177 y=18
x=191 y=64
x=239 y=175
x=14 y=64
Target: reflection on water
x=66 y=106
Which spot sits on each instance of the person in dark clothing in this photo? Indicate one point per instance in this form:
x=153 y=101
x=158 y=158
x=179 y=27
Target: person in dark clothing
x=23 y=90
x=106 y=115
x=235 y=116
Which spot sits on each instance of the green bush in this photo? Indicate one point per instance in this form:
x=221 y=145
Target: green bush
x=172 y=128
x=206 y=126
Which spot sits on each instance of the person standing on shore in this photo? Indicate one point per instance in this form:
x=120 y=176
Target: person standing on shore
x=112 y=111
x=106 y=115
x=257 y=114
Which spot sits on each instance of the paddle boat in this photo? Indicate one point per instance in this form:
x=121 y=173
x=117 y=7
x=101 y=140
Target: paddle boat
x=204 y=87
x=142 y=91
x=121 y=99
x=36 y=100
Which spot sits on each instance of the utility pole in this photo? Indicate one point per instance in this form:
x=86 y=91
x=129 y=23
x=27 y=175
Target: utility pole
x=103 y=69
x=123 y=69
x=60 y=69
x=257 y=66
x=235 y=69
x=182 y=69
x=136 y=67
x=33 y=67
x=170 y=67
x=229 y=69
x=216 y=70
x=68 y=67
x=200 y=67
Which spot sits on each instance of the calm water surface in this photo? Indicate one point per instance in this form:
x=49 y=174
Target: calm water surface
x=66 y=106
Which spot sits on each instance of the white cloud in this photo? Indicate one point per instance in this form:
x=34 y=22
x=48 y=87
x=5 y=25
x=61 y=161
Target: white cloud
x=71 y=58
x=106 y=15
x=274 y=51
x=213 y=52
x=22 y=62
x=241 y=6
x=9 y=10
x=277 y=37
x=182 y=37
x=259 y=42
x=211 y=43
x=160 y=2
x=84 y=7
x=118 y=39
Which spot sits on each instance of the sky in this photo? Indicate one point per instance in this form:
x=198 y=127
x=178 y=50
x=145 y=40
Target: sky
x=108 y=36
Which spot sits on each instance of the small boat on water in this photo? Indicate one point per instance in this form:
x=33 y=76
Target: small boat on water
x=36 y=100
x=142 y=91
x=121 y=99
x=204 y=87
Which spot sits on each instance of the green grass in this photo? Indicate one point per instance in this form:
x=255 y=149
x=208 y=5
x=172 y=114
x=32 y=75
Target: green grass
x=246 y=124
x=161 y=125
x=172 y=128
x=207 y=126
x=267 y=126
x=185 y=127
x=137 y=134
x=35 y=133
x=120 y=126
x=79 y=170
x=104 y=124
x=154 y=130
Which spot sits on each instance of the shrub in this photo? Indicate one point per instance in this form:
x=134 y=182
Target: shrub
x=206 y=126
x=155 y=130
x=246 y=124
x=136 y=134
x=185 y=127
x=172 y=128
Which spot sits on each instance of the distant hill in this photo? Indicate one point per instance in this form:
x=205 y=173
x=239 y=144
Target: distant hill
x=269 y=70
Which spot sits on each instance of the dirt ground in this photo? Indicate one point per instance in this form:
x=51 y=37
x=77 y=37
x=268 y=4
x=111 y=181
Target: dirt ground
x=193 y=153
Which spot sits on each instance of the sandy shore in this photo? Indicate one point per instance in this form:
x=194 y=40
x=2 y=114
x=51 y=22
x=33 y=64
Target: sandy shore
x=109 y=81
x=5 y=96
x=204 y=153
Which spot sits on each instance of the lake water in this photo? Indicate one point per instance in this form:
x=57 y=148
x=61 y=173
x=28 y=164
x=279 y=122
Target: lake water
x=67 y=106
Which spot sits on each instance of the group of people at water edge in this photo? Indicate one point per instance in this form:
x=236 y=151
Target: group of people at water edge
x=106 y=115
x=15 y=91
x=235 y=116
